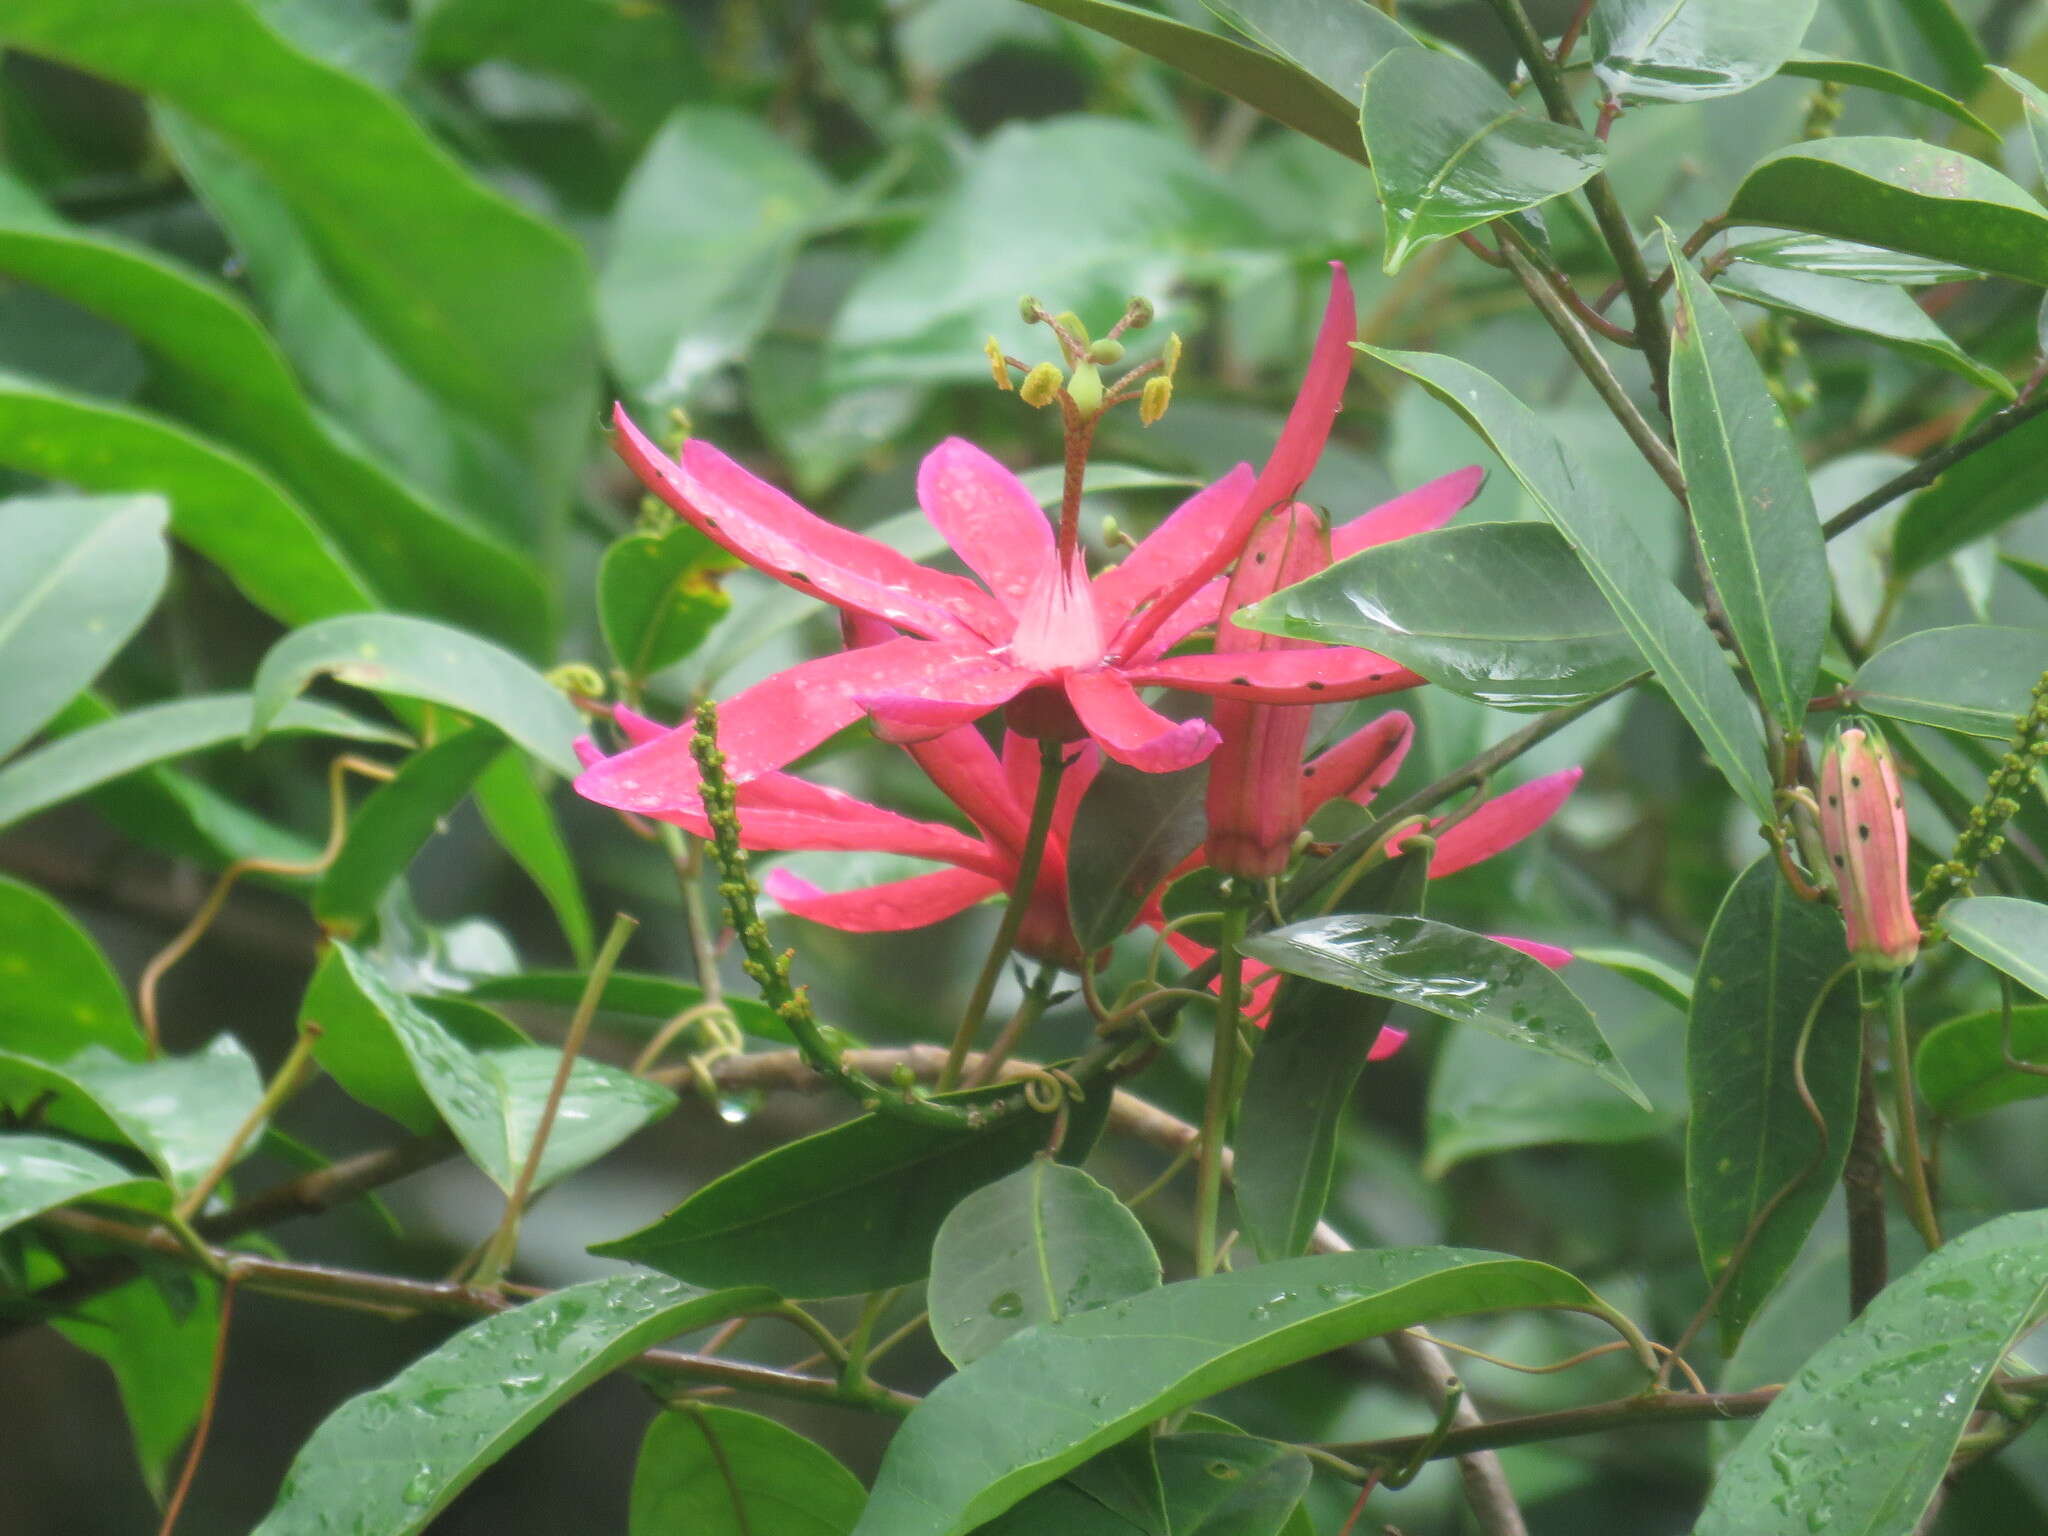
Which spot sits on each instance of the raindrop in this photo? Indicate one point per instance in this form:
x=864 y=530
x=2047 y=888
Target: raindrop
x=1008 y=1304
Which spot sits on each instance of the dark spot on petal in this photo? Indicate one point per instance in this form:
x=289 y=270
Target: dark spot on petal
x=1259 y=558
x=1855 y=781
x=1241 y=682
x=1862 y=832
x=1317 y=687
x=1834 y=800
x=1838 y=861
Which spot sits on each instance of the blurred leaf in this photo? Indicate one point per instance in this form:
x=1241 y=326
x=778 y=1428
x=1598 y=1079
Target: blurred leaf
x=1131 y=830
x=1960 y=1065
x=653 y=1000
x=702 y=239
x=1974 y=498
x=1692 y=50
x=2004 y=932
x=1498 y=612
x=394 y=822
x=1230 y=1485
x=1754 y=1158
x=380 y=1463
x=41 y=1173
x=1047 y=1399
x=227 y=510
x=520 y=817
x=81 y=575
x=99 y=754
x=1902 y=195
x=1751 y=508
x=1068 y=1509
x=1652 y=975
x=720 y=1472
x=1663 y=624
x=161 y=1355
x=2034 y=102
x=1973 y=678
x=1952 y=42
x=1837 y=1450
x=1041 y=1244
x=419 y=659
x=1448 y=972
x=1808 y=65
x=851 y=1209
x=57 y=992
x=1846 y=258
x=1280 y=90
x=2032 y=572
x=1449 y=149
x=1335 y=41
x=658 y=596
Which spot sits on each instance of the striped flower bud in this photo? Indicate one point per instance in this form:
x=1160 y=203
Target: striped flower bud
x=1863 y=828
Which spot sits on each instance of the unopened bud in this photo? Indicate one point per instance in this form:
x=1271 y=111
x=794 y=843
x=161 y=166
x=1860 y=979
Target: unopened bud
x=1030 y=309
x=1157 y=396
x=1863 y=828
x=996 y=365
x=1105 y=351
x=1084 y=388
x=578 y=678
x=1041 y=386
x=1169 y=359
x=1137 y=314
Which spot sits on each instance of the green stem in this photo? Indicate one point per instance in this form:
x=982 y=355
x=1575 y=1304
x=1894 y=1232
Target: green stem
x=1223 y=1084
x=1912 y=1165
x=1051 y=764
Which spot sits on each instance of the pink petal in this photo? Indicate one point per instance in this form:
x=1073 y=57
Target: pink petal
x=1130 y=730
x=1057 y=625
x=638 y=728
x=1548 y=954
x=1315 y=407
x=756 y=522
x=588 y=753
x=992 y=522
x=1417 y=511
x=1204 y=609
x=944 y=698
x=1195 y=539
x=1501 y=822
x=1321 y=674
x=1360 y=765
x=890 y=908
x=966 y=771
x=1388 y=1041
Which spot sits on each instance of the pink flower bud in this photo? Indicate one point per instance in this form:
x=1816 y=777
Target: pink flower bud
x=1863 y=827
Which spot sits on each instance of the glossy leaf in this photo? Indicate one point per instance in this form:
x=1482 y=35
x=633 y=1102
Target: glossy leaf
x=1860 y=1438
x=1846 y=258
x=394 y=822
x=84 y=760
x=1335 y=41
x=1974 y=678
x=1904 y=196
x=1450 y=149
x=1051 y=1397
x=601 y=1107
x=1758 y=1170
x=1807 y=65
x=1132 y=829
x=850 y=1209
x=1693 y=50
x=57 y=992
x=1751 y=507
x=1230 y=1485
x=1448 y=972
x=1042 y=1244
x=631 y=1002
x=418 y=659
x=81 y=575
x=41 y=1173
x=2004 y=932
x=1974 y=499
x=1961 y=1064
x=1670 y=634
x=520 y=817
x=715 y=1471
x=1499 y=612
x=387 y=1462
x=658 y=596
x=1878 y=311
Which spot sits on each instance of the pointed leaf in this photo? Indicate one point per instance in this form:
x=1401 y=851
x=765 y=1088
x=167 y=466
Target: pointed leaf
x=57 y=992
x=1807 y=65
x=1974 y=678
x=2034 y=103
x=1961 y=1064
x=721 y=1472
x=1336 y=41
x=2004 y=932
x=1691 y=50
x=1845 y=258
x=41 y=1173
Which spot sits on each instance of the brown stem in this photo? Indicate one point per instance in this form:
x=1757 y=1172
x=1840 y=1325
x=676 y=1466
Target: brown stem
x=1988 y=431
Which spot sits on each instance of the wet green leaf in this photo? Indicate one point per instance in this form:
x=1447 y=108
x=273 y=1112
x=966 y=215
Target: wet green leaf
x=1450 y=149
x=2004 y=932
x=1961 y=1066
x=1974 y=499
x=1859 y=1440
x=1499 y=612
x=1692 y=50
x=1973 y=678
x=41 y=1173
x=720 y=1472
x=57 y=992
x=1230 y=1485
x=1132 y=829
x=1807 y=65
x=1904 y=196
x=658 y=596
x=393 y=1458
x=1041 y=1244
x=1335 y=41
x=1846 y=258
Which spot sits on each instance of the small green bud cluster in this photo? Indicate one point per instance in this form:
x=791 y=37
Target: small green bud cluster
x=1983 y=833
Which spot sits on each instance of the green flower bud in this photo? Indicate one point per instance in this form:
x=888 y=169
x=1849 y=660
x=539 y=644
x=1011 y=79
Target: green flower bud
x=1041 y=386
x=1105 y=351
x=1137 y=314
x=578 y=678
x=1030 y=309
x=1157 y=396
x=1084 y=388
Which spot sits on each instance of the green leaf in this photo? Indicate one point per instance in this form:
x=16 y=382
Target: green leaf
x=1902 y=195
x=1973 y=678
x=394 y=823
x=658 y=596
x=1836 y=1451
x=1755 y=1161
x=1498 y=612
x=1654 y=976
x=179 y=1111
x=721 y=1472
x=1664 y=626
x=213 y=365
x=1951 y=41
x=518 y=812
x=1132 y=829
x=81 y=575
x=1448 y=972
x=702 y=239
x=392 y=1459
x=1282 y=91
x=1974 y=498
x=1751 y=507
x=1846 y=258
x=601 y=1106
x=1042 y=1244
x=482 y=301
x=1049 y=1398
x=2004 y=932
x=1693 y=50
x=851 y=1209
x=100 y=754
x=57 y=992
x=1230 y=1485
x=1449 y=149
x=160 y=1349
x=1960 y=1065
x=2032 y=572
x=418 y=659
x=40 y=1173
x=1875 y=77
x=632 y=1002
x=1335 y=41
x=222 y=506
x=2034 y=103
